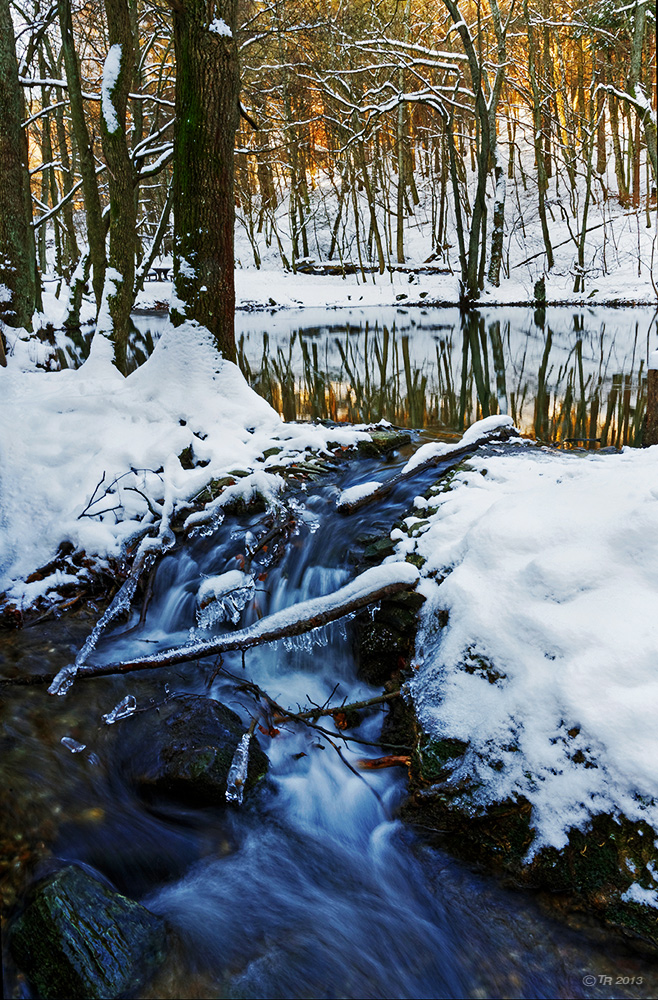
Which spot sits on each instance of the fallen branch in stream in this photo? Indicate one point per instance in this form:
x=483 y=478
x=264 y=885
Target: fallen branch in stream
x=309 y=718
x=450 y=457
x=370 y=587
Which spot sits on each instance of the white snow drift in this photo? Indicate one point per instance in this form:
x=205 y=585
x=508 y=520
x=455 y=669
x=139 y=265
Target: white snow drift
x=548 y=668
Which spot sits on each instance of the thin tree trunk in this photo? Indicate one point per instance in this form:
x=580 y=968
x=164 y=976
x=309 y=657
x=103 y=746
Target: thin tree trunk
x=95 y=225
x=118 y=294
x=18 y=259
x=542 y=181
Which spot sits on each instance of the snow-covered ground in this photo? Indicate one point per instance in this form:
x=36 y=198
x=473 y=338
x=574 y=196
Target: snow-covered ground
x=620 y=250
x=547 y=565
x=91 y=458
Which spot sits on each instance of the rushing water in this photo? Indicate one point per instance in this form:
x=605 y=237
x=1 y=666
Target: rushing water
x=313 y=888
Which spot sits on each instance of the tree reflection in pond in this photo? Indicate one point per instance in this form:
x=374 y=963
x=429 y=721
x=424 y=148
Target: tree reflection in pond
x=572 y=377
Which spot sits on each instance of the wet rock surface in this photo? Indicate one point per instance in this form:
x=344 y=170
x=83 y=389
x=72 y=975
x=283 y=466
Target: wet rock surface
x=386 y=643
x=591 y=875
x=184 y=749
x=77 y=938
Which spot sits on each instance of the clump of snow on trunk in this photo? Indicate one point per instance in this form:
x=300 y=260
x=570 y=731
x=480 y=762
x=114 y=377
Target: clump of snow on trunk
x=111 y=71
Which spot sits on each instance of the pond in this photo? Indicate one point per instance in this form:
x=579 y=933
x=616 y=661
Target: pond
x=566 y=375
x=574 y=376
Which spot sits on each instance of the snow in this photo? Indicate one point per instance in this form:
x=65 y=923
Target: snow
x=480 y=430
x=637 y=894
x=90 y=446
x=354 y=493
x=218 y=26
x=547 y=564
x=111 y=71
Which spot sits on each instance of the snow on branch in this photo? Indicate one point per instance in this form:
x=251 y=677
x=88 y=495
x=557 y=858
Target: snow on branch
x=370 y=587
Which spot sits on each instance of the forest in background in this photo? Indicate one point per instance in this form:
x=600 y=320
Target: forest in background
x=352 y=118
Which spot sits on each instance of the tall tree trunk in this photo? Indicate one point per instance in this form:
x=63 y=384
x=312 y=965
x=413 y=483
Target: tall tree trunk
x=499 y=170
x=18 y=259
x=542 y=180
x=641 y=103
x=118 y=293
x=95 y=225
x=207 y=93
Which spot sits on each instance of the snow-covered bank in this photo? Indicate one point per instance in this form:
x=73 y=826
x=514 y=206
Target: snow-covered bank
x=620 y=251
x=91 y=458
x=545 y=566
x=274 y=288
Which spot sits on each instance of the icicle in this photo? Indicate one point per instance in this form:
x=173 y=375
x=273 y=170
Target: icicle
x=72 y=745
x=127 y=706
x=63 y=681
x=224 y=598
x=237 y=775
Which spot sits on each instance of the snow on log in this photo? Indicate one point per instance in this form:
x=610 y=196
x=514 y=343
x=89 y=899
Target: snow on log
x=496 y=428
x=371 y=586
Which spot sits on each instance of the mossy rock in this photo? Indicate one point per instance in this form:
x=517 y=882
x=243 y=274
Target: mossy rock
x=401 y=611
x=382 y=651
x=382 y=442
x=591 y=873
x=79 y=940
x=379 y=550
x=184 y=749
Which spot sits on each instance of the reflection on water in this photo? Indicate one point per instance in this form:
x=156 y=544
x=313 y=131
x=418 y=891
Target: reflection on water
x=577 y=378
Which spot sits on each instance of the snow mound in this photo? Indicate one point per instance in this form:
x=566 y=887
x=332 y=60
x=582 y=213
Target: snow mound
x=92 y=458
x=548 y=567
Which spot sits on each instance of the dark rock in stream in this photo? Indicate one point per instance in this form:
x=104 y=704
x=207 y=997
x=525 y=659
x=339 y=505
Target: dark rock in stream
x=184 y=749
x=383 y=441
x=386 y=644
x=77 y=938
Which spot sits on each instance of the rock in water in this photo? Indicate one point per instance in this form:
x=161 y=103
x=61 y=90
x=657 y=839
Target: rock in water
x=185 y=749
x=77 y=938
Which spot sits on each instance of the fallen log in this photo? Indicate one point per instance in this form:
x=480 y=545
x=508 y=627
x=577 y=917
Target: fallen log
x=354 y=498
x=372 y=586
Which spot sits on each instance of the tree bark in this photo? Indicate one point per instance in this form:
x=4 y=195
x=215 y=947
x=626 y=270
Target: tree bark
x=542 y=180
x=18 y=260
x=207 y=115
x=95 y=226
x=118 y=293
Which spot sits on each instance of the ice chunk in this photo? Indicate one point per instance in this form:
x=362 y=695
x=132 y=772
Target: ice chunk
x=63 y=681
x=237 y=775
x=127 y=706
x=72 y=745
x=223 y=598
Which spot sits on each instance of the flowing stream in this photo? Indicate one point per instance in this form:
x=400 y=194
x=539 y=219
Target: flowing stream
x=313 y=888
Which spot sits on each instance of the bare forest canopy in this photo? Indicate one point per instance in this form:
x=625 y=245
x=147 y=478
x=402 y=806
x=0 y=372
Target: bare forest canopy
x=342 y=117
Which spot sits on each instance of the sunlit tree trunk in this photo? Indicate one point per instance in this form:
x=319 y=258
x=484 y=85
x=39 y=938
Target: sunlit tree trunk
x=95 y=227
x=542 y=180
x=207 y=109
